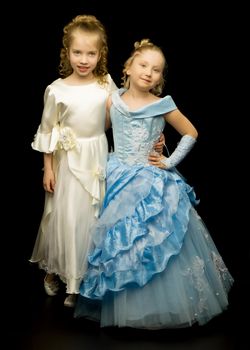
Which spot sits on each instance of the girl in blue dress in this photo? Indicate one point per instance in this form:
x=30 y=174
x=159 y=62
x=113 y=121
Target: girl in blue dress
x=154 y=264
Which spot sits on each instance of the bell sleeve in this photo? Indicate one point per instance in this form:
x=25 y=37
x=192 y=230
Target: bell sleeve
x=46 y=137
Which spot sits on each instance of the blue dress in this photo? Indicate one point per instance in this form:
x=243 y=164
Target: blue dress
x=154 y=264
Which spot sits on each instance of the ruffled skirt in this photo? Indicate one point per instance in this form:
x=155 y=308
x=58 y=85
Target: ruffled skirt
x=154 y=264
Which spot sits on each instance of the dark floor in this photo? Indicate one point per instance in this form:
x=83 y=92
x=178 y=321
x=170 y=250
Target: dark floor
x=40 y=322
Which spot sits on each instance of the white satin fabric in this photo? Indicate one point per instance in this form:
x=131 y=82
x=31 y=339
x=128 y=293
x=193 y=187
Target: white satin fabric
x=72 y=128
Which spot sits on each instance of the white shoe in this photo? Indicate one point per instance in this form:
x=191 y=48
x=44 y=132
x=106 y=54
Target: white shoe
x=52 y=287
x=70 y=300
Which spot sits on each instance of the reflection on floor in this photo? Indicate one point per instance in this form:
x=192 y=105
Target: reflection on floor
x=40 y=322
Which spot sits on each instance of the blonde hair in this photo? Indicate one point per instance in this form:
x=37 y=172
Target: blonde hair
x=89 y=24
x=140 y=46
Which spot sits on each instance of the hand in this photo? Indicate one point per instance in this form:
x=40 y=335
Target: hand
x=184 y=146
x=49 y=181
x=155 y=159
x=158 y=146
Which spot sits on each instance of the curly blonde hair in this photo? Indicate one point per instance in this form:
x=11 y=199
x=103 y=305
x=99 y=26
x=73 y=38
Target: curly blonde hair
x=140 y=46
x=89 y=24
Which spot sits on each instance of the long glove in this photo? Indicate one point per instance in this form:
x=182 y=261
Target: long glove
x=184 y=146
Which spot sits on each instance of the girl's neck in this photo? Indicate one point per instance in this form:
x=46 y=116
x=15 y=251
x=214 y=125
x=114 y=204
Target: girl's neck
x=74 y=79
x=135 y=99
x=137 y=94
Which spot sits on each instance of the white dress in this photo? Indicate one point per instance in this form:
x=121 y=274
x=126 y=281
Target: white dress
x=72 y=127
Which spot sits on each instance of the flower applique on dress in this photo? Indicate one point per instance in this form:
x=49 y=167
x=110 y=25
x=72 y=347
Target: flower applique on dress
x=63 y=138
x=67 y=139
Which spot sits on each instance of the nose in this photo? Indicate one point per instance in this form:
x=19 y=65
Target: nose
x=84 y=59
x=148 y=72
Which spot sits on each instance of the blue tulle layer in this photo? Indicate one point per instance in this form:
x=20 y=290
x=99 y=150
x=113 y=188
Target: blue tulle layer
x=154 y=263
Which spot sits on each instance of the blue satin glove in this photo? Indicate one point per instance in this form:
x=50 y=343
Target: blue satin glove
x=184 y=146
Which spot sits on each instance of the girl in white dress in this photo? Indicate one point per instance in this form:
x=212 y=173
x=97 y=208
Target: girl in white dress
x=72 y=138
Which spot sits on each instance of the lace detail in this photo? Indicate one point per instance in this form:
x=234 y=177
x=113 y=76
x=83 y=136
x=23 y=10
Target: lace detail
x=141 y=144
x=220 y=266
x=195 y=274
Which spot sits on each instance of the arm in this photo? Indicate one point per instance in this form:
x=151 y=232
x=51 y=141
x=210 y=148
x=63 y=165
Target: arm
x=108 y=120
x=189 y=135
x=48 y=175
x=44 y=140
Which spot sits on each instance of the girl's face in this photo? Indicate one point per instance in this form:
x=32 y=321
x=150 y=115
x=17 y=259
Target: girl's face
x=84 y=54
x=146 y=69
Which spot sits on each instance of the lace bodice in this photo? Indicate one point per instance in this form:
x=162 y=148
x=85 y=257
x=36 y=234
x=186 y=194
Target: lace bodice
x=136 y=132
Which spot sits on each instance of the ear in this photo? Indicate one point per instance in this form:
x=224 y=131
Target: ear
x=128 y=71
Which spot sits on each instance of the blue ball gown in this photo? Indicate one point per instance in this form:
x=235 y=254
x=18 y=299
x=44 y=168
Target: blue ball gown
x=153 y=264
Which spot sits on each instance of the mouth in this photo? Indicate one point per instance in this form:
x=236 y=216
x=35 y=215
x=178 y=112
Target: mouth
x=83 y=69
x=146 y=81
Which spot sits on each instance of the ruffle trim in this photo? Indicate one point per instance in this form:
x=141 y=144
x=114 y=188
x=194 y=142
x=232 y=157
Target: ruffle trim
x=93 y=179
x=140 y=245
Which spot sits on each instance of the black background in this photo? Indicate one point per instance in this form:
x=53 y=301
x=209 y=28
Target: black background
x=205 y=47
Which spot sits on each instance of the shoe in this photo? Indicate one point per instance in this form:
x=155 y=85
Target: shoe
x=70 y=300
x=51 y=288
